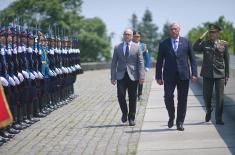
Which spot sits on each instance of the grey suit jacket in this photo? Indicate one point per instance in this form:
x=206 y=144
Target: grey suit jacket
x=134 y=64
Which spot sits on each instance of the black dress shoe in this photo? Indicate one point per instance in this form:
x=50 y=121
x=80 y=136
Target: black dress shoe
x=24 y=125
x=180 y=127
x=170 y=123
x=5 y=134
x=131 y=123
x=45 y=112
x=28 y=122
x=208 y=115
x=34 y=119
x=11 y=130
x=220 y=122
x=1 y=143
x=16 y=126
x=4 y=140
x=39 y=115
x=124 y=118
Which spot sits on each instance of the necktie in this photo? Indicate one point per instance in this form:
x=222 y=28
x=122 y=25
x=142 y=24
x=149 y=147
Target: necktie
x=127 y=50
x=175 y=45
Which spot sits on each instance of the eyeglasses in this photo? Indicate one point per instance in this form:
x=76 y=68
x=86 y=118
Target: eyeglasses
x=137 y=36
x=127 y=34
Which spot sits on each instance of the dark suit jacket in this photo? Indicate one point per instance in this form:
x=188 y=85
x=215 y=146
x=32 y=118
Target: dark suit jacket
x=173 y=64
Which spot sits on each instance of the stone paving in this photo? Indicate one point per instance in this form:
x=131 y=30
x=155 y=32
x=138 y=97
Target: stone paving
x=90 y=124
x=199 y=137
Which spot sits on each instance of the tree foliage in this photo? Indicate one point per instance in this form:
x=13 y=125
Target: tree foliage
x=165 y=33
x=148 y=29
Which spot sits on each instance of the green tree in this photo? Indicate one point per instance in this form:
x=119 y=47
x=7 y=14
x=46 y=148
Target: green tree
x=66 y=15
x=134 y=21
x=226 y=34
x=94 y=40
x=165 y=33
x=149 y=32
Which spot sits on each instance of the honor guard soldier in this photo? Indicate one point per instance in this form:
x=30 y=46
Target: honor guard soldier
x=6 y=80
x=215 y=70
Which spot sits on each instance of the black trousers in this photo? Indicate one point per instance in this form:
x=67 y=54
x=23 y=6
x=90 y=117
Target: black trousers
x=131 y=86
x=182 y=93
x=140 y=88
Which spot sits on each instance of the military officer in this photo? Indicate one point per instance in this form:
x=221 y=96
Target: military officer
x=143 y=47
x=215 y=69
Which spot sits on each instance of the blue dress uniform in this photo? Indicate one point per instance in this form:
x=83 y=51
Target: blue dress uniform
x=4 y=80
x=52 y=72
x=45 y=72
x=37 y=94
x=11 y=81
x=33 y=79
x=146 y=57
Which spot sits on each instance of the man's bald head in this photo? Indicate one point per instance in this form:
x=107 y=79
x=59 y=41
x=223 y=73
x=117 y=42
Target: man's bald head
x=128 y=35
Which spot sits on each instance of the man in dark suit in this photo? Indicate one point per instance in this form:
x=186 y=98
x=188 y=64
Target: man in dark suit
x=173 y=57
x=127 y=70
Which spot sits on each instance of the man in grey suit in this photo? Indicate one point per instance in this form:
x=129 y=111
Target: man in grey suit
x=127 y=70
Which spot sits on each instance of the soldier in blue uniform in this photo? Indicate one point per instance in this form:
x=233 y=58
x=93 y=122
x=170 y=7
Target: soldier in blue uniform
x=143 y=47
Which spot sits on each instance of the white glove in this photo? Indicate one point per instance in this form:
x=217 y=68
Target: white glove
x=51 y=73
x=17 y=81
x=35 y=50
x=2 y=51
x=35 y=74
x=20 y=76
x=11 y=81
x=30 y=50
x=19 y=49
x=26 y=74
x=15 y=50
x=54 y=72
x=79 y=67
x=9 y=52
x=4 y=81
x=57 y=71
x=40 y=75
x=63 y=70
x=32 y=77
x=23 y=48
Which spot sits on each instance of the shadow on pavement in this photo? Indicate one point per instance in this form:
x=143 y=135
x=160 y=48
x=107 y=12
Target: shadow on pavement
x=107 y=126
x=225 y=131
x=151 y=130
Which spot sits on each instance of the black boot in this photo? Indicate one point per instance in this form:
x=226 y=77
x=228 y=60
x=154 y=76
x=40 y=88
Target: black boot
x=6 y=134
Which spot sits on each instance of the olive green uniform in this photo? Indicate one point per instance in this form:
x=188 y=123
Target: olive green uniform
x=215 y=68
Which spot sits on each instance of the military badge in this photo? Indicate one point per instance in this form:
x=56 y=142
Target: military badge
x=220 y=45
